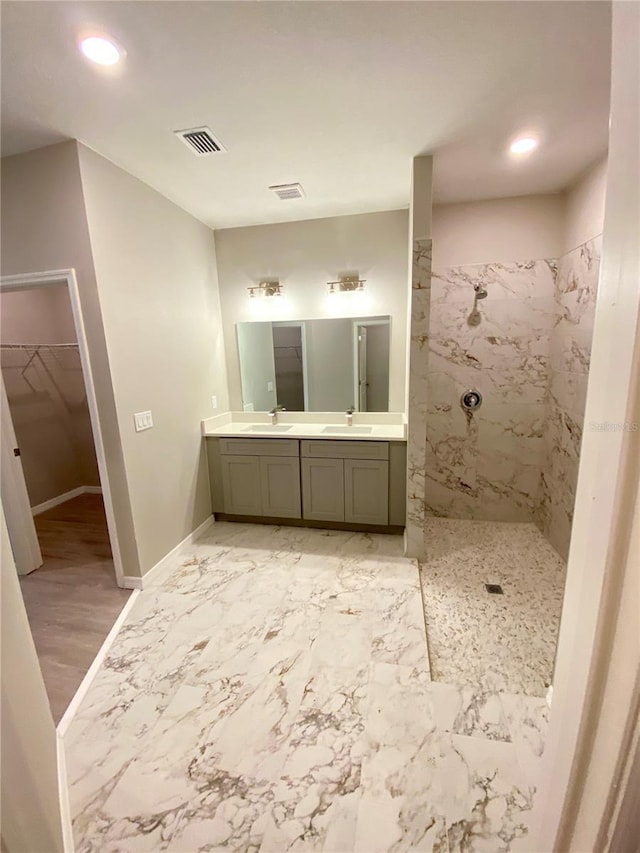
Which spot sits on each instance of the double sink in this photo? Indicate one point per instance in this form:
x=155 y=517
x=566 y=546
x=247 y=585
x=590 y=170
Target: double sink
x=356 y=430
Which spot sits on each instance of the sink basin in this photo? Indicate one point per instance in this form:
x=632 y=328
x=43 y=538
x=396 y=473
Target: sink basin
x=268 y=428
x=356 y=430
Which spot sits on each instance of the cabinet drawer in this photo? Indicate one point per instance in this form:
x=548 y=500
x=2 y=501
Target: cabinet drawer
x=259 y=446
x=345 y=449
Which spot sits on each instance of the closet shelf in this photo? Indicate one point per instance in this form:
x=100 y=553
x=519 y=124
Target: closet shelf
x=38 y=346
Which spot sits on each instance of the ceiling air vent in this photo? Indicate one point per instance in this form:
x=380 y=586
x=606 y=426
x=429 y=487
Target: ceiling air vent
x=200 y=140
x=287 y=191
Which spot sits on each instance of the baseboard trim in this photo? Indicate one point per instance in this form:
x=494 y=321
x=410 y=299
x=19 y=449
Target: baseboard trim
x=64 y=497
x=59 y=499
x=131 y=582
x=92 y=490
x=86 y=682
x=146 y=579
x=63 y=797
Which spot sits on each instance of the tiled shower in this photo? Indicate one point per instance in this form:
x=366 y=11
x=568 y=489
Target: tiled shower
x=516 y=458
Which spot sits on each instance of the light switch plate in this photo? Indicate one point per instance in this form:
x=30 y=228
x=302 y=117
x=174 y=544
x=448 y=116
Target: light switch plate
x=214 y=402
x=269 y=386
x=143 y=420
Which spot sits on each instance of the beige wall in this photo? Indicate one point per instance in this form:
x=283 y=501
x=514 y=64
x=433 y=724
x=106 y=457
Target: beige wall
x=503 y=229
x=29 y=770
x=305 y=256
x=520 y=228
x=584 y=206
x=156 y=274
x=46 y=393
x=44 y=227
x=37 y=316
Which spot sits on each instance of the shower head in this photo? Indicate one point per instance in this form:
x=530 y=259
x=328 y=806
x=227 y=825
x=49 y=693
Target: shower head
x=481 y=293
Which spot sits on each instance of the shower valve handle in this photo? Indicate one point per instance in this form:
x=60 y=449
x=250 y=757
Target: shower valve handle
x=471 y=400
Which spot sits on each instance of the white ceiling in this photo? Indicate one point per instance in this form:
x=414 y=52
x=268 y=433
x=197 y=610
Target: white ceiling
x=337 y=95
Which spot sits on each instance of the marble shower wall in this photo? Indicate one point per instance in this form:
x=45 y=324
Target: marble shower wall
x=517 y=458
x=570 y=352
x=417 y=394
x=488 y=465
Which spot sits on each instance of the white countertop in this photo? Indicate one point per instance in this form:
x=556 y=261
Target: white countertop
x=367 y=426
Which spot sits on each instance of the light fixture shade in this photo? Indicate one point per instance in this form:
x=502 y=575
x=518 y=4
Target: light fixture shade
x=265 y=288
x=346 y=284
x=101 y=50
x=524 y=145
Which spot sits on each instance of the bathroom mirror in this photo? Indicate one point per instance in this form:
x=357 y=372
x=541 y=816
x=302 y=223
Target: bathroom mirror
x=315 y=365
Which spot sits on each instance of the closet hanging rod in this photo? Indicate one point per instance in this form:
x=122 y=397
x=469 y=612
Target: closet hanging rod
x=39 y=346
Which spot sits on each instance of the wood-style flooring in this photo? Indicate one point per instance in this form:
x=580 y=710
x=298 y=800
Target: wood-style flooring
x=72 y=600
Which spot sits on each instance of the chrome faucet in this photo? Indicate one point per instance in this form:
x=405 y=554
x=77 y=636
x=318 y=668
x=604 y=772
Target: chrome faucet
x=274 y=413
x=349 y=414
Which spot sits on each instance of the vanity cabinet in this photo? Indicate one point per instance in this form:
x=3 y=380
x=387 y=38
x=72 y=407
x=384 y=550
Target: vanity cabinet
x=352 y=488
x=240 y=476
x=280 y=486
x=260 y=477
x=323 y=489
x=366 y=491
x=325 y=482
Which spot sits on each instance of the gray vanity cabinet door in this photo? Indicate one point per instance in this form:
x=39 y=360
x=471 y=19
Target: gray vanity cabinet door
x=323 y=489
x=280 y=486
x=241 y=485
x=366 y=488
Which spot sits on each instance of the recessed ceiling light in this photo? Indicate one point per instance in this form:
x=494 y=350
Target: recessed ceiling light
x=523 y=145
x=101 y=50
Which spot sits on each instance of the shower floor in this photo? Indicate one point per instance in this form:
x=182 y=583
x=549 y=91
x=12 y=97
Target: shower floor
x=502 y=643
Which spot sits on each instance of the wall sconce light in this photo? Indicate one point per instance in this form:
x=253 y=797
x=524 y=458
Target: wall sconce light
x=265 y=288
x=346 y=284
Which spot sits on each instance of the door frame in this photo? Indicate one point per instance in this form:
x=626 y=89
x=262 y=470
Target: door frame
x=24 y=281
x=24 y=539
x=356 y=323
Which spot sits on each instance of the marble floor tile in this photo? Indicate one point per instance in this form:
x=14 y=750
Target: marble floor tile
x=316 y=798
x=487 y=795
x=344 y=637
x=271 y=691
x=527 y=718
x=425 y=787
x=499 y=643
x=465 y=710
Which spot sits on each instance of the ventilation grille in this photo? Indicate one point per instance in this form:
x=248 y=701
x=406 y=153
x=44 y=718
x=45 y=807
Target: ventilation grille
x=200 y=140
x=287 y=191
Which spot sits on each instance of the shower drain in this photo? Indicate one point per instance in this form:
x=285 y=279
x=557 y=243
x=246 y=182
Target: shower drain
x=494 y=588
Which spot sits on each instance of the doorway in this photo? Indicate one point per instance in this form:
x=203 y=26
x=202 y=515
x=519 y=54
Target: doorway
x=371 y=365
x=289 y=360
x=54 y=480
